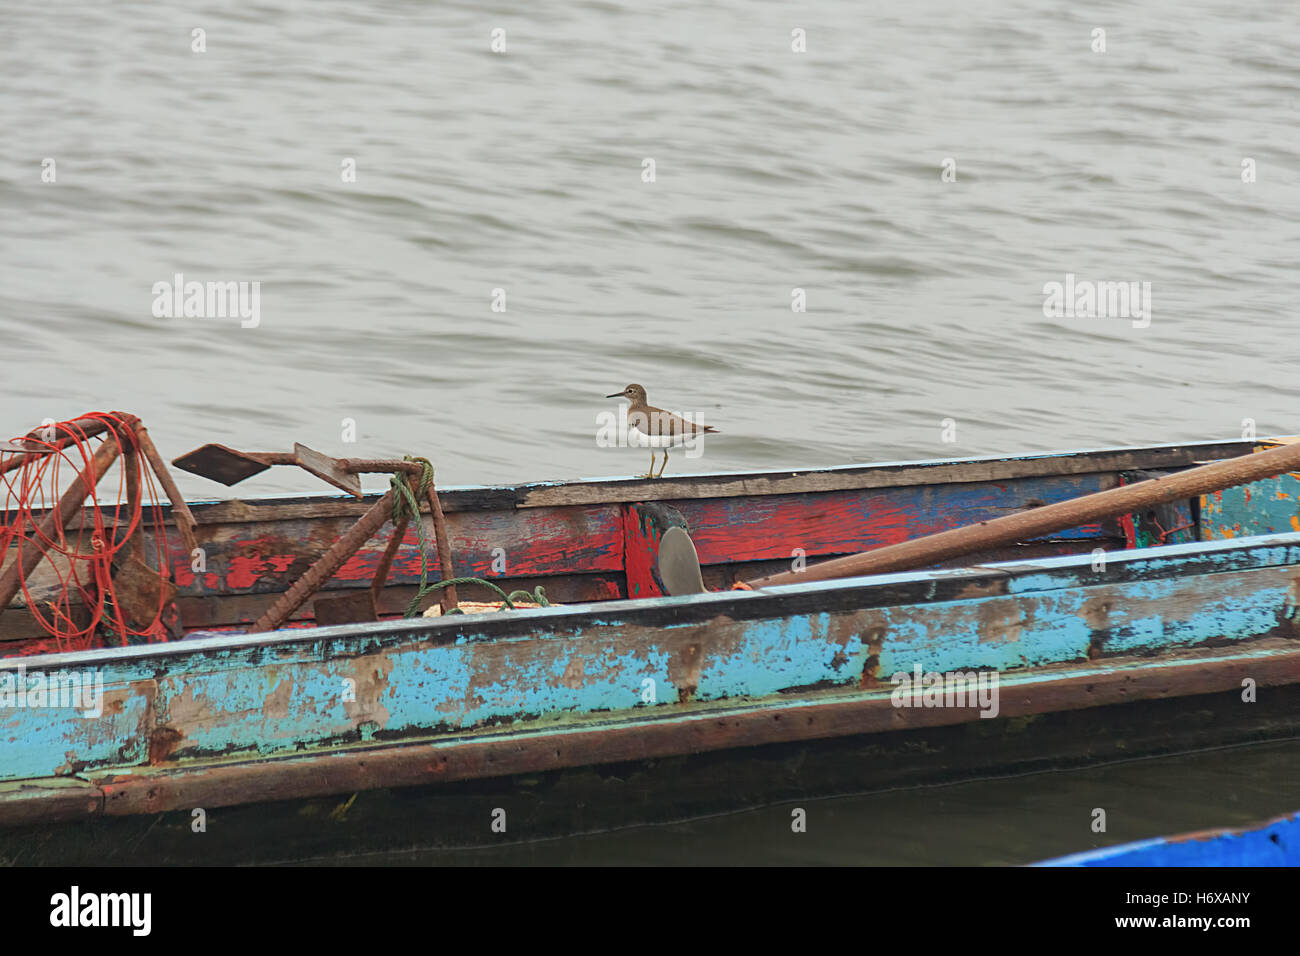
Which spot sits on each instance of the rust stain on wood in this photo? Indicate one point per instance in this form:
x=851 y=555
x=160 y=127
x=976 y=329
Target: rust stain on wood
x=162 y=743
x=371 y=676
x=684 y=670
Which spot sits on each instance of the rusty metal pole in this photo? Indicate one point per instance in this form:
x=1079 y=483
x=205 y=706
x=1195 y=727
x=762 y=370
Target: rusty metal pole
x=181 y=514
x=76 y=429
x=134 y=503
x=448 y=599
x=326 y=565
x=11 y=581
x=358 y=466
x=1012 y=529
x=386 y=562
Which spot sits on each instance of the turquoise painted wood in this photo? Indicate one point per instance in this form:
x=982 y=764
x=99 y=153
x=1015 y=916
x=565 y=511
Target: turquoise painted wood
x=1271 y=506
x=555 y=668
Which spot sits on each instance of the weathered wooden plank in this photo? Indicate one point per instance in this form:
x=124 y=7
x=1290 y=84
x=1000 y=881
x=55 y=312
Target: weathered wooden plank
x=48 y=800
x=721 y=577
x=708 y=729
x=404 y=679
x=542 y=542
x=643 y=528
x=266 y=557
x=601 y=491
x=882 y=474
x=1031 y=629
x=727 y=530
x=106 y=722
x=1271 y=506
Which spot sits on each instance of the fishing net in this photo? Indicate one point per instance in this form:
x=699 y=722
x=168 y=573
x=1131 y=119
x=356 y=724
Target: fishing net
x=81 y=555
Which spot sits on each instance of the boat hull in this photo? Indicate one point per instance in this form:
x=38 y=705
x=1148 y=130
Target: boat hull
x=1144 y=640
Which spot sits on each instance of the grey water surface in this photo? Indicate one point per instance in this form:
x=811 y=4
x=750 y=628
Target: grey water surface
x=774 y=170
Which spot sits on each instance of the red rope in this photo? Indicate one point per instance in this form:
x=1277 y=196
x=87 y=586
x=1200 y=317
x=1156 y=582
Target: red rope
x=81 y=562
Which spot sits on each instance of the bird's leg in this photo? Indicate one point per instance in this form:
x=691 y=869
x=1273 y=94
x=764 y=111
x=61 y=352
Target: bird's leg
x=651 y=472
x=664 y=465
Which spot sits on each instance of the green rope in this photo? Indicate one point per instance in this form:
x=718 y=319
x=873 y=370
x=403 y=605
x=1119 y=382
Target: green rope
x=537 y=595
x=406 y=504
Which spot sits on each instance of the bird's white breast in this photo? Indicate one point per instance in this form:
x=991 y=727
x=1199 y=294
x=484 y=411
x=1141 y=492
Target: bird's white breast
x=639 y=439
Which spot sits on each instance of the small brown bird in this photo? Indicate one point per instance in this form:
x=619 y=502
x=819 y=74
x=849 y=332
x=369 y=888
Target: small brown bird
x=655 y=428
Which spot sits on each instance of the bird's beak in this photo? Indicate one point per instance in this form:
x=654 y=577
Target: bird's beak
x=615 y=395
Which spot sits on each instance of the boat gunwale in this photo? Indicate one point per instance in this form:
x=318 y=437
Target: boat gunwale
x=762 y=482
x=759 y=483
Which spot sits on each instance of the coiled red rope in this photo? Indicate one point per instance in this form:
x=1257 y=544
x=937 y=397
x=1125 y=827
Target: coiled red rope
x=75 y=602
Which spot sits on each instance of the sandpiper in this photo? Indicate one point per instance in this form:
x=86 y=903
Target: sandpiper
x=655 y=428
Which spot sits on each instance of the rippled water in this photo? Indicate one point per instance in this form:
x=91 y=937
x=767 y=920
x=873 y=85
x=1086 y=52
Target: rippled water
x=1010 y=821
x=775 y=170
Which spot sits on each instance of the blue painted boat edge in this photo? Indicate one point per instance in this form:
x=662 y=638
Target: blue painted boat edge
x=1273 y=843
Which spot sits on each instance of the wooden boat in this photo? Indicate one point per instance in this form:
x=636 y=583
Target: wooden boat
x=1275 y=843
x=1141 y=635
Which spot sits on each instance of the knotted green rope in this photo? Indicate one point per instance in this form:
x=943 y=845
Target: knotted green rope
x=537 y=595
x=405 y=503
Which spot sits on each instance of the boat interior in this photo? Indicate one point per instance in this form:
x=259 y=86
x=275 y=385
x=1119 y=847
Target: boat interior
x=599 y=540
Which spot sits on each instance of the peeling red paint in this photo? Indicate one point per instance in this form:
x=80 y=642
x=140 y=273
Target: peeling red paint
x=244 y=572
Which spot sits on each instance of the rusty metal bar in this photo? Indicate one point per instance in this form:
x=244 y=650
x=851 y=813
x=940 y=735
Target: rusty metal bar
x=326 y=566
x=181 y=514
x=85 y=427
x=359 y=466
x=11 y=580
x=448 y=599
x=386 y=562
x=134 y=503
x=1012 y=529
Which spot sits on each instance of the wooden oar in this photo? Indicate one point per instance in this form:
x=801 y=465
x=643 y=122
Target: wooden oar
x=1012 y=529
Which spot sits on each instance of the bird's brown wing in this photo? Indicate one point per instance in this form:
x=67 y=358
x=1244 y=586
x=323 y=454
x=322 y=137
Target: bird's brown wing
x=668 y=424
